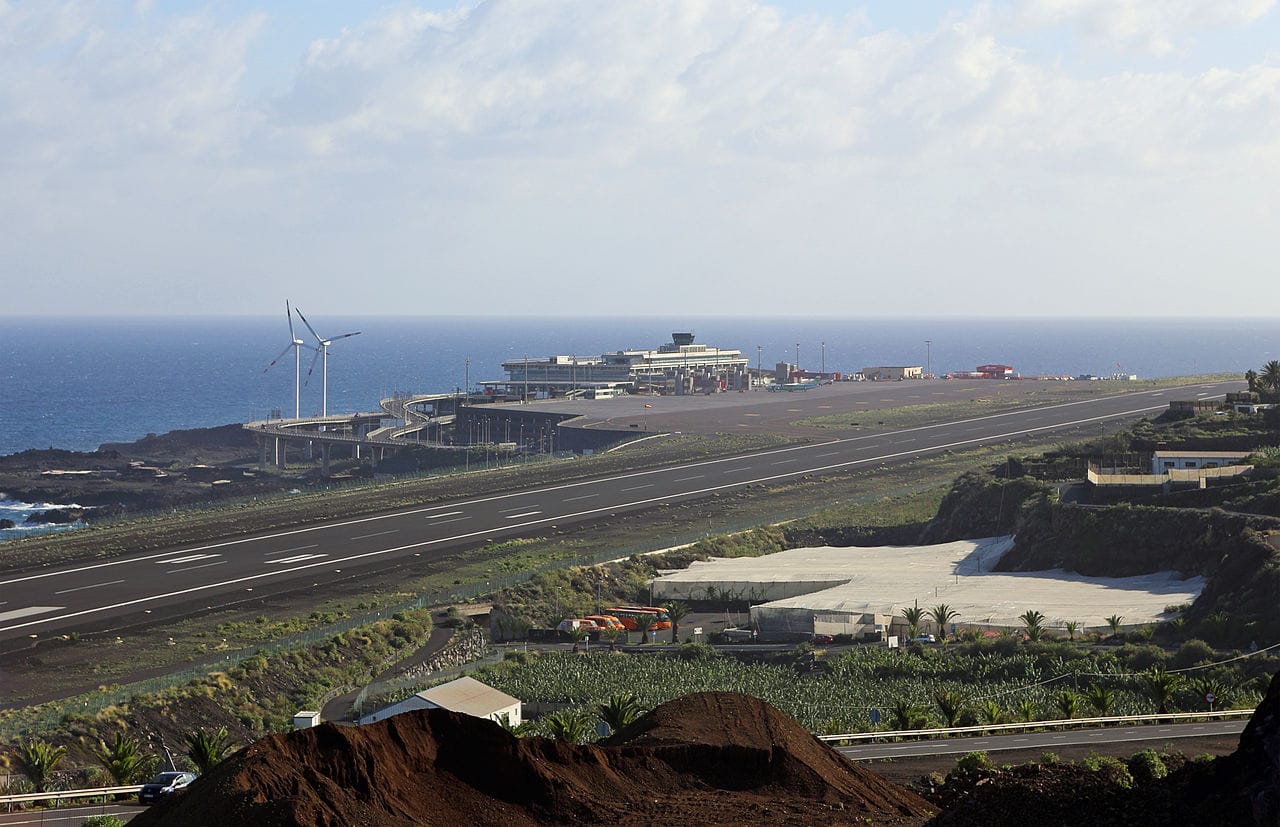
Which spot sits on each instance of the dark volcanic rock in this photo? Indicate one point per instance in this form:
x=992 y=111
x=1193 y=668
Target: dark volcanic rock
x=56 y=516
x=6 y=524
x=1257 y=761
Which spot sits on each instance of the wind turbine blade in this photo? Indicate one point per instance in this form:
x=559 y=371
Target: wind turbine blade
x=308 y=324
x=277 y=359
x=345 y=336
x=289 y=314
x=313 y=366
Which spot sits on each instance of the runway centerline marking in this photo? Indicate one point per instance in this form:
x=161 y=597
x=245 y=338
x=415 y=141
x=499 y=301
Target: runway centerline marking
x=686 y=479
x=94 y=586
x=583 y=497
x=300 y=558
x=188 y=559
x=509 y=510
x=201 y=566
x=525 y=514
x=287 y=550
x=445 y=514
x=637 y=487
x=375 y=534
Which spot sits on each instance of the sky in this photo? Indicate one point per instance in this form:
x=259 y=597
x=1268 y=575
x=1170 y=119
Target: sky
x=621 y=158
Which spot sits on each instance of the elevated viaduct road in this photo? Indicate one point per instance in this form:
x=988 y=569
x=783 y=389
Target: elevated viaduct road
x=100 y=596
x=1041 y=741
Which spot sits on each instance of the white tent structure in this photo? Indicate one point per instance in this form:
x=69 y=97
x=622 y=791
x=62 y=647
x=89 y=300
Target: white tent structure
x=466 y=695
x=854 y=590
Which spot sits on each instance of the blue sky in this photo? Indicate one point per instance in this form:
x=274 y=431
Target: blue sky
x=1028 y=157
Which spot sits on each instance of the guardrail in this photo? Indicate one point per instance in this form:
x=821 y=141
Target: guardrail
x=1021 y=727
x=93 y=792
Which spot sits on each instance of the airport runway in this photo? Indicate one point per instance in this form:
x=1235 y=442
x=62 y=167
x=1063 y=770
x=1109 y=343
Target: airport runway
x=100 y=595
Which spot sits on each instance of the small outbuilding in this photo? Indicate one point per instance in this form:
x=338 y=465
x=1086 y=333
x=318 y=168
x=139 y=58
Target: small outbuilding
x=466 y=695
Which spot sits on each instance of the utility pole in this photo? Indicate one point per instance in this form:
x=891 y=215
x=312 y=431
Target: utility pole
x=928 y=357
x=466 y=381
x=759 y=375
x=824 y=358
x=797 y=357
x=525 y=398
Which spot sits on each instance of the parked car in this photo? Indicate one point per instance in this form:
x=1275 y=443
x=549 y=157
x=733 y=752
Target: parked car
x=164 y=784
x=925 y=639
x=824 y=639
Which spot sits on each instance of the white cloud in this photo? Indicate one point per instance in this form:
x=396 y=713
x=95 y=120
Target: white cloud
x=718 y=151
x=1154 y=26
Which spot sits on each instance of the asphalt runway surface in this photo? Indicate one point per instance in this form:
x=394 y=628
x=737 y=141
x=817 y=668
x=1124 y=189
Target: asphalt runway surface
x=96 y=596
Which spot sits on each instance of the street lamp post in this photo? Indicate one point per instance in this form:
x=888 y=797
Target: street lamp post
x=797 y=357
x=759 y=375
x=824 y=358
x=928 y=357
x=525 y=399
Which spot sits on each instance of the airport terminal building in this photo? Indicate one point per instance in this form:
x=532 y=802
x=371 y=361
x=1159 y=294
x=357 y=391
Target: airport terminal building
x=678 y=367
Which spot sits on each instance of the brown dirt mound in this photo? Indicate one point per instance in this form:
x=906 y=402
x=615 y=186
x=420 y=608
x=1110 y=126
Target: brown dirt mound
x=714 y=758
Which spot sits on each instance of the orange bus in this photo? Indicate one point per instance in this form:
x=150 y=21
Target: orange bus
x=629 y=614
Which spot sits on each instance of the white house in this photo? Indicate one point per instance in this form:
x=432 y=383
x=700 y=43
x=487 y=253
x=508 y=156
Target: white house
x=1162 y=461
x=466 y=695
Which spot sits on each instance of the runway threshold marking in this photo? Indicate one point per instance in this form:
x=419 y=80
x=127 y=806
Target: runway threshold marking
x=94 y=586
x=14 y=614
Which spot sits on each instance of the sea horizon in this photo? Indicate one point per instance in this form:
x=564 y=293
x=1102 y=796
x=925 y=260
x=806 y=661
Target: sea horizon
x=77 y=382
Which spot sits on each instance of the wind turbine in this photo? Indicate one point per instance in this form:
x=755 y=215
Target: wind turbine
x=323 y=349
x=296 y=344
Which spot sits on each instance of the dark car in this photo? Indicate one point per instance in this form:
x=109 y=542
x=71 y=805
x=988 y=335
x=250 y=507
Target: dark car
x=824 y=639
x=164 y=784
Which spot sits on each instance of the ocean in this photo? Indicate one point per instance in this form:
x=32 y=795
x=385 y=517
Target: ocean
x=77 y=383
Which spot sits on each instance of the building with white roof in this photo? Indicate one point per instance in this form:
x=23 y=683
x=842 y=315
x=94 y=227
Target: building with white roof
x=466 y=695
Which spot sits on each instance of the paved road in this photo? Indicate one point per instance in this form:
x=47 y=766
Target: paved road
x=68 y=816
x=103 y=595
x=1043 y=740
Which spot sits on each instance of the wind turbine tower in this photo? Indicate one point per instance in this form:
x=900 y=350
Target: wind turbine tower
x=296 y=344
x=323 y=349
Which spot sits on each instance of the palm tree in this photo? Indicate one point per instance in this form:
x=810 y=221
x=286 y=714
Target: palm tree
x=1100 y=698
x=942 y=614
x=990 y=712
x=1217 y=687
x=950 y=704
x=620 y=710
x=1114 y=623
x=906 y=715
x=207 y=749
x=677 y=610
x=1033 y=623
x=123 y=759
x=568 y=725
x=1160 y=686
x=1028 y=710
x=37 y=760
x=577 y=636
x=913 y=616
x=643 y=624
x=611 y=635
x=1270 y=377
x=1251 y=376
x=1072 y=626
x=1068 y=703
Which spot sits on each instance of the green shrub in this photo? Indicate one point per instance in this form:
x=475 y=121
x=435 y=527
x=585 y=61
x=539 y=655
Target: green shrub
x=1049 y=758
x=1112 y=769
x=1147 y=766
x=1192 y=653
x=103 y=821
x=697 y=651
x=977 y=760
